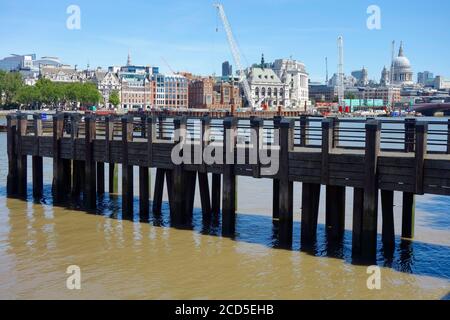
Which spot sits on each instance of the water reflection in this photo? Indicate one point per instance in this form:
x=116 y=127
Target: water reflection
x=412 y=257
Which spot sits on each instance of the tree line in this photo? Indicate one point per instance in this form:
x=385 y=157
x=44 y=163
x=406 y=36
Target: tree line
x=47 y=94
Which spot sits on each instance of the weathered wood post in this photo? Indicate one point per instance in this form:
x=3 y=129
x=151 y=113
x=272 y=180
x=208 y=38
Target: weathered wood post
x=421 y=136
x=178 y=204
x=304 y=123
x=216 y=193
x=11 y=187
x=58 y=167
x=388 y=234
x=257 y=136
x=229 y=177
x=21 y=157
x=78 y=174
x=127 y=169
x=100 y=178
x=113 y=169
x=37 y=163
x=276 y=181
x=144 y=181
x=90 y=183
x=335 y=195
x=203 y=173
x=143 y=126
x=409 y=198
x=286 y=202
x=66 y=163
x=369 y=219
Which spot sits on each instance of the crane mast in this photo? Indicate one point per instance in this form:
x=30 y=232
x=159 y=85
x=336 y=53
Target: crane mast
x=341 y=89
x=236 y=54
x=391 y=78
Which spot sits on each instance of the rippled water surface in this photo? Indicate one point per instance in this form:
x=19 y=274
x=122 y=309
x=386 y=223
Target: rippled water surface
x=149 y=260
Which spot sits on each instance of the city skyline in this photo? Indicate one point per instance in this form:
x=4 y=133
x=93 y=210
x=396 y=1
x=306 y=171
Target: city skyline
x=184 y=34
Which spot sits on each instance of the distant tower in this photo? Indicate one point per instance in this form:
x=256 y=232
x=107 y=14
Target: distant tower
x=263 y=62
x=227 y=69
x=129 y=59
x=364 y=77
x=385 y=77
x=341 y=85
x=326 y=67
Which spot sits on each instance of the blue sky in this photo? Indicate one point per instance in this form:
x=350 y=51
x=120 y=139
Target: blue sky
x=184 y=32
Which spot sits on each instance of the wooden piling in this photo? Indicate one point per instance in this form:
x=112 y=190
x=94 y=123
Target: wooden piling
x=11 y=188
x=113 y=170
x=257 y=126
x=21 y=157
x=229 y=177
x=144 y=191
x=358 y=210
x=388 y=235
x=100 y=178
x=127 y=169
x=205 y=198
x=335 y=212
x=310 y=212
x=178 y=203
x=216 y=193
x=37 y=162
x=276 y=182
x=159 y=191
x=408 y=215
x=90 y=168
x=286 y=216
x=78 y=166
x=370 y=208
x=190 y=185
x=58 y=168
x=304 y=124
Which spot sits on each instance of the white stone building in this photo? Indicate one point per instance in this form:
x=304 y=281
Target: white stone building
x=107 y=82
x=282 y=83
x=402 y=70
x=59 y=74
x=293 y=74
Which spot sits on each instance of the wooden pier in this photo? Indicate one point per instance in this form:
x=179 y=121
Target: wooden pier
x=374 y=157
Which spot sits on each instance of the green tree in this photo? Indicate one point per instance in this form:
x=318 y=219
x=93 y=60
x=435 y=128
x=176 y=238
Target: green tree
x=114 y=98
x=29 y=96
x=47 y=92
x=89 y=95
x=11 y=83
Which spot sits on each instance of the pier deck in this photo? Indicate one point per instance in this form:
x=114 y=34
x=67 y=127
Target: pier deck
x=408 y=156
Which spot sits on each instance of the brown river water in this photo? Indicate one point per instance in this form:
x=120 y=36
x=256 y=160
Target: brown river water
x=122 y=259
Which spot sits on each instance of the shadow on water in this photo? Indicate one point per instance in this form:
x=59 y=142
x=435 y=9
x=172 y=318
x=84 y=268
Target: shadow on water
x=411 y=257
